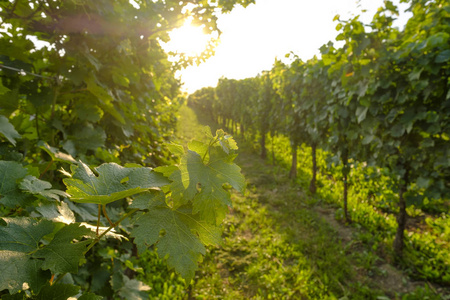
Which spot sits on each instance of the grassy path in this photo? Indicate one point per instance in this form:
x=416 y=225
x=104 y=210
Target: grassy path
x=279 y=245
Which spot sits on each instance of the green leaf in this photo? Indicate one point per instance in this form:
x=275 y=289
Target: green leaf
x=207 y=180
x=57 y=212
x=442 y=56
x=8 y=130
x=226 y=141
x=89 y=137
x=179 y=235
x=423 y=182
x=131 y=288
x=10 y=173
x=200 y=148
x=19 y=272
x=148 y=200
x=3 y=89
x=415 y=74
x=23 y=234
x=105 y=98
x=427 y=143
x=438 y=39
x=397 y=130
x=55 y=154
x=63 y=255
x=361 y=113
x=113 y=183
x=87 y=211
x=33 y=185
x=58 y=292
x=120 y=80
x=367 y=139
x=175 y=149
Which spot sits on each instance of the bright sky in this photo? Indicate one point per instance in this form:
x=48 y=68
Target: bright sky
x=253 y=37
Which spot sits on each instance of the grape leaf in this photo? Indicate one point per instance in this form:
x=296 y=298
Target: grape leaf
x=8 y=130
x=87 y=211
x=113 y=183
x=55 y=154
x=89 y=137
x=147 y=200
x=57 y=212
x=204 y=183
x=18 y=237
x=23 y=234
x=10 y=173
x=397 y=130
x=57 y=292
x=361 y=113
x=179 y=235
x=62 y=255
x=442 y=56
x=226 y=142
x=129 y=288
x=19 y=272
x=36 y=186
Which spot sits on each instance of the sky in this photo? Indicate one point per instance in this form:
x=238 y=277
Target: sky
x=253 y=37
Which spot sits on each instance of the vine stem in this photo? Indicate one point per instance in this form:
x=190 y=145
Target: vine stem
x=106 y=215
x=98 y=217
x=57 y=279
x=46 y=169
x=96 y=240
x=209 y=147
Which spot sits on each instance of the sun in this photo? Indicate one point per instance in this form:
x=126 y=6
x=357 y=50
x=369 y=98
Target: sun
x=188 y=39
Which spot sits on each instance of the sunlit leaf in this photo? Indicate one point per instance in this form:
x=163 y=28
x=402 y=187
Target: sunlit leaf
x=112 y=183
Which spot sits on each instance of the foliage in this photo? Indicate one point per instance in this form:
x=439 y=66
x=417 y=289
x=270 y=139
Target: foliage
x=37 y=249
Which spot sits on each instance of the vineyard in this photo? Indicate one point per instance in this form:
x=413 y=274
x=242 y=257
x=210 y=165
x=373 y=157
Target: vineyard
x=372 y=121
x=111 y=189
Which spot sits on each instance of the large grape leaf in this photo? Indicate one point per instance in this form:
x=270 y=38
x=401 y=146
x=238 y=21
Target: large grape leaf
x=23 y=234
x=10 y=173
x=8 y=130
x=113 y=183
x=62 y=255
x=19 y=237
x=179 y=234
x=19 y=272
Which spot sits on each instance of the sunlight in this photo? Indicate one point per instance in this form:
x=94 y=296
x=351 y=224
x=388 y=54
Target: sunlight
x=188 y=39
